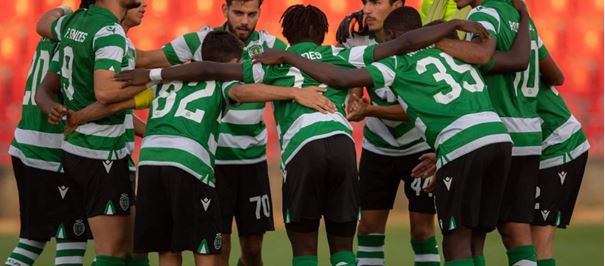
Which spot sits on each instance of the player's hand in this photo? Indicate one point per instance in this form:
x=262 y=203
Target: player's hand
x=71 y=124
x=271 y=57
x=134 y=77
x=312 y=97
x=427 y=166
x=473 y=27
x=358 y=108
x=431 y=186
x=56 y=113
x=520 y=6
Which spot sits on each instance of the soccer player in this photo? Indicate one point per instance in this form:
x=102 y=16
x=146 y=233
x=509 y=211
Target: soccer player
x=391 y=149
x=314 y=145
x=44 y=195
x=91 y=50
x=513 y=90
x=370 y=19
x=241 y=164
x=449 y=103
x=178 y=206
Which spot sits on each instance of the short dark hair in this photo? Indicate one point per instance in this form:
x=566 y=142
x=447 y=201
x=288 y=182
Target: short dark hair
x=86 y=3
x=221 y=46
x=229 y=2
x=390 y=1
x=402 y=19
x=301 y=23
x=451 y=35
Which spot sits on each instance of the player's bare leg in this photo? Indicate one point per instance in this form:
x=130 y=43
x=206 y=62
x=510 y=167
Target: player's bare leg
x=457 y=243
x=111 y=234
x=424 y=244
x=373 y=222
x=478 y=241
x=515 y=235
x=225 y=250
x=422 y=225
x=170 y=259
x=303 y=243
x=206 y=260
x=251 y=249
x=543 y=237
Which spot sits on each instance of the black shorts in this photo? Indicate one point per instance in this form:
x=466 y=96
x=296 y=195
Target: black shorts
x=321 y=180
x=469 y=189
x=245 y=194
x=105 y=185
x=557 y=192
x=379 y=177
x=48 y=205
x=520 y=192
x=176 y=212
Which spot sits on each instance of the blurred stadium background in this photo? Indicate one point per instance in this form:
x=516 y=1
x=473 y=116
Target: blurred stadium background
x=571 y=29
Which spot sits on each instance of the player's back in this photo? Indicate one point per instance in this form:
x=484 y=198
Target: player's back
x=182 y=128
x=298 y=124
x=37 y=143
x=513 y=94
x=445 y=98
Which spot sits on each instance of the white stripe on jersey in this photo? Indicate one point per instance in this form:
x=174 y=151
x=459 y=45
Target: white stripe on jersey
x=242 y=142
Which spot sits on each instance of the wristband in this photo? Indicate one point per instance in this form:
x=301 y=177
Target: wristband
x=155 y=74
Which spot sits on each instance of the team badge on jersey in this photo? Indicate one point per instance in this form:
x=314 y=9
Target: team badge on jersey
x=124 y=201
x=218 y=241
x=255 y=50
x=79 y=228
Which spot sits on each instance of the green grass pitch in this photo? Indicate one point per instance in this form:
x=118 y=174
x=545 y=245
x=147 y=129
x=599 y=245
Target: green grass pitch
x=579 y=245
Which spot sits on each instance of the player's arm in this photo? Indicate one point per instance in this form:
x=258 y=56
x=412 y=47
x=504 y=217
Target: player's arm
x=108 y=90
x=362 y=109
x=329 y=74
x=44 y=27
x=98 y=111
x=196 y=71
x=550 y=72
x=139 y=126
x=310 y=97
x=151 y=59
x=517 y=58
x=425 y=36
x=45 y=98
x=477 y=52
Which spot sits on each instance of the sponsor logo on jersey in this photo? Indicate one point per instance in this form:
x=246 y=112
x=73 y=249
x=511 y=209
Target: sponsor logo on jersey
x=79 y=228
x=63 y=191
x=124 y=201
x=218 y=241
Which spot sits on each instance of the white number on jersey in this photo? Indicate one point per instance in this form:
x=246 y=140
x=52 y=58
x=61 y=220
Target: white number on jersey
x=168 y=92
x=526 y=90
x=298 y=77
x=66 y=71
x=39 y=69
x=442 y=75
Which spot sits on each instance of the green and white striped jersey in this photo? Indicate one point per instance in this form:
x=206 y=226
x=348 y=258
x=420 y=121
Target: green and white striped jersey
x=91 y=40
x=298 y=125
x=36 y=143
x=563 y=137
x=131 y=55
x=383 y=136
x=182 y=127
x=243 y=135
x=513 y=94
x=446 y=99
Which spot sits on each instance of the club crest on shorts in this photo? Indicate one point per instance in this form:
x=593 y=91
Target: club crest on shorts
x=124 y=201
x=255 y=50
x=79 y=228
x=218 y=241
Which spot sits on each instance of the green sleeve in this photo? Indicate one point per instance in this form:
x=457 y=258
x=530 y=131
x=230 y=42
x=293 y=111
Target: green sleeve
x=57 y=27
x=225 y=88
x=488 y=17
x=253 y=73
x=383 y=72
x=108 y=45
x=359 y=56
x=542 y=51
x=279 y=44
x=183 y=48
x=55 y=64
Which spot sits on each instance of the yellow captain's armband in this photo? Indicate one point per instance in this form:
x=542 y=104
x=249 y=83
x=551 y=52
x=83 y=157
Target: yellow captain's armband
x=143 y=99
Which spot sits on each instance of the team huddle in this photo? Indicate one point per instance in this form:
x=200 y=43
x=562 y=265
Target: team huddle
x=463 y=111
